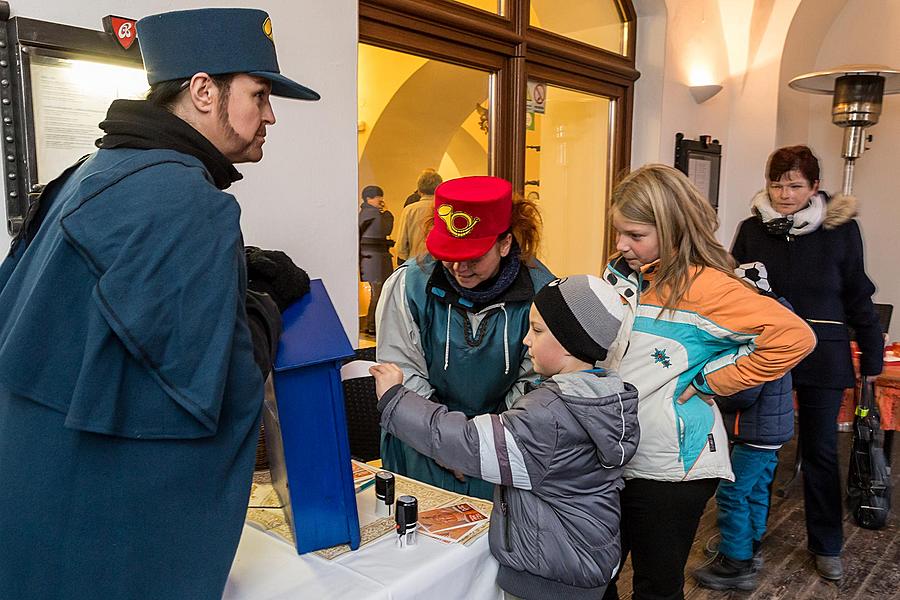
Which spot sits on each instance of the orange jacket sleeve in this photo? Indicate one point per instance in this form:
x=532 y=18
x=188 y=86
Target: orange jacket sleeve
x=780 y=339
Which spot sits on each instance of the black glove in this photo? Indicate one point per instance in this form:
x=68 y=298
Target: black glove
x=264 y=321
x=273 y=272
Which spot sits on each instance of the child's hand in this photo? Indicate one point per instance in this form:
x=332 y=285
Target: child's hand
x=386 y=375
x=691 y=391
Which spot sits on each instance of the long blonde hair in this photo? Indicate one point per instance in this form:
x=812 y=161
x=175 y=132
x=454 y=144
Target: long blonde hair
x=685 y=222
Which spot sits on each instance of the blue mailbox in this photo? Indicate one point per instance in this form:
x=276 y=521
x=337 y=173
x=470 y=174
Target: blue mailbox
x=310 y=459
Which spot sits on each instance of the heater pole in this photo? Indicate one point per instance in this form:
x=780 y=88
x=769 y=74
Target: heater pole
x=858 y=91
x=849 y=163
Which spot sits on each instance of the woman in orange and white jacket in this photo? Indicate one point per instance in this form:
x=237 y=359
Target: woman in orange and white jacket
x=696 y=331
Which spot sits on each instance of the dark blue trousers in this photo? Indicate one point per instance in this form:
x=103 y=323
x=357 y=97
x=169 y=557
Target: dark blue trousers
x=822 y=492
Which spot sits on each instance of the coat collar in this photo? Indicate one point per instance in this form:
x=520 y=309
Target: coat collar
x=839 y=209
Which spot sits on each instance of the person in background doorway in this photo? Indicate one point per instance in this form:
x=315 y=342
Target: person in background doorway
x=129 y=395
x=375 y=225
x=453 y=320
x=414 y=197
x=416 y=217
x=696 y=331
x=813 y=252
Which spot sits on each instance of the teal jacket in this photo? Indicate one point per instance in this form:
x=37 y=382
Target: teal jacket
x=469 y=358
x=129 y=397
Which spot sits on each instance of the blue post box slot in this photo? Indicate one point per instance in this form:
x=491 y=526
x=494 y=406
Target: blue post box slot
x=310 y=459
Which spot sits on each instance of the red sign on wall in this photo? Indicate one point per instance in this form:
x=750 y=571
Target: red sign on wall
x=123 y=29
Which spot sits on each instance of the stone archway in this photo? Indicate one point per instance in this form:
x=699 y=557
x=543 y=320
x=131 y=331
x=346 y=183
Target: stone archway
x=420 y=124
x=805 y=36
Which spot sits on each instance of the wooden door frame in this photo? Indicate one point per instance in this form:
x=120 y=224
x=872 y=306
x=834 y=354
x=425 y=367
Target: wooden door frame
x=511 y=49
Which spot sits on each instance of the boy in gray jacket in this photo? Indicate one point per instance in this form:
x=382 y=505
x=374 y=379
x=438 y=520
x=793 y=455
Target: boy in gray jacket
x=556 y=455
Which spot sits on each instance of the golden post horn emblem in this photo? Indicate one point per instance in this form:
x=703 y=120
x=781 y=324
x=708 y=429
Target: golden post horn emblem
x=447 y=214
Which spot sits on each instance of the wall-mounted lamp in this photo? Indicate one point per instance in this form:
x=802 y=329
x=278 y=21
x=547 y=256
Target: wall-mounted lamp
x=702 y=93
x=858 y=92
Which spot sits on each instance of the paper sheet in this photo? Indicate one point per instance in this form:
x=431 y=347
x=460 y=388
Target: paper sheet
x=356 y=369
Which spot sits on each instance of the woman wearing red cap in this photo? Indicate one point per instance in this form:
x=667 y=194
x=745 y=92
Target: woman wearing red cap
x=454 y=319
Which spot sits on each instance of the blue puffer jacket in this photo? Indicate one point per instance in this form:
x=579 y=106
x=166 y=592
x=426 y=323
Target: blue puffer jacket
x=763 y=414
x=760 y=415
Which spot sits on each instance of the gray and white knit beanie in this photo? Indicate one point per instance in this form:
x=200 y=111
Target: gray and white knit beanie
x=583 y=312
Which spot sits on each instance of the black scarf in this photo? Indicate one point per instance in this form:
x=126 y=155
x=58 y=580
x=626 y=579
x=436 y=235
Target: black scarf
x=145 y=126
x=777 y=227
x=491 y=289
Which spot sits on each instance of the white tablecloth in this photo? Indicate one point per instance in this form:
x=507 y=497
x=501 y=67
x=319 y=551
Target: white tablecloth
x=266 y=568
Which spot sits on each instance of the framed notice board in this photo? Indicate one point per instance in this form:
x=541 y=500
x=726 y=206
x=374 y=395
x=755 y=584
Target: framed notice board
x=701 y=161
x=56 y=83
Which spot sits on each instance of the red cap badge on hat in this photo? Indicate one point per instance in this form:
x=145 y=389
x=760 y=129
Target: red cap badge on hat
x=469 y=214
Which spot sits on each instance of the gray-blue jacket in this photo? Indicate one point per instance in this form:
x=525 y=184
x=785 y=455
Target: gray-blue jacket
x=556 y=456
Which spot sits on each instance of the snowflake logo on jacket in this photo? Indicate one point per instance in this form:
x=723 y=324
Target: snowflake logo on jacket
x=659 y=356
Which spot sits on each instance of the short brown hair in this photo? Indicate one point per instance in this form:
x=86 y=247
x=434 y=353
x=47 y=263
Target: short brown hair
x=793 y=158
x=428 y=182
x=165 y=93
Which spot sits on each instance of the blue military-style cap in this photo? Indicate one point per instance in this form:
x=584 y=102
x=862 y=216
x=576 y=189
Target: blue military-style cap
x=178 y=44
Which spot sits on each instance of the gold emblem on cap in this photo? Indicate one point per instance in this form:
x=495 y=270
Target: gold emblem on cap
x=267 y=28
x=449 y=216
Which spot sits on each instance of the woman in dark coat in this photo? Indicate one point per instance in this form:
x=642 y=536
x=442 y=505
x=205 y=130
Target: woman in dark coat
x=813 y=251
x=375 y=225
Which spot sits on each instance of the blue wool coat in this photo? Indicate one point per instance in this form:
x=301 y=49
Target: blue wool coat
x=129 y=398
x=375 y=263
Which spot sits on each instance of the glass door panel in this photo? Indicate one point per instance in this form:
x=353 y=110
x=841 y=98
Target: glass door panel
x=599 y=23
x=416 y=113
x=567 y=171
x=492 y=6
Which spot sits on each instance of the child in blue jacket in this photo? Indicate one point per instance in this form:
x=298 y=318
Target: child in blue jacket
x=758 y=420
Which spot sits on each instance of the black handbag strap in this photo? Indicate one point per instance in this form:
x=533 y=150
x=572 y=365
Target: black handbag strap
x=866 y=397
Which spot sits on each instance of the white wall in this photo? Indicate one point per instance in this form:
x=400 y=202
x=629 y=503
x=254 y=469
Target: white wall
x=302 y=197
x=854 y=40
x=650 y=56
x=733 y=43
x=753 y=48
x=808 y=29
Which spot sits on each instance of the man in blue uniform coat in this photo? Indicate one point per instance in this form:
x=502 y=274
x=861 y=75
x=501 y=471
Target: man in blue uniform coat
x=129 y=396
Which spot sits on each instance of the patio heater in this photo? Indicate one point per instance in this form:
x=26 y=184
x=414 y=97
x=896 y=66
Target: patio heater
x=858 y=91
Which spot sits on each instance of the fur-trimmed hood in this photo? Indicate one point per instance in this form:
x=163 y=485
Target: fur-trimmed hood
x=840 y=209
